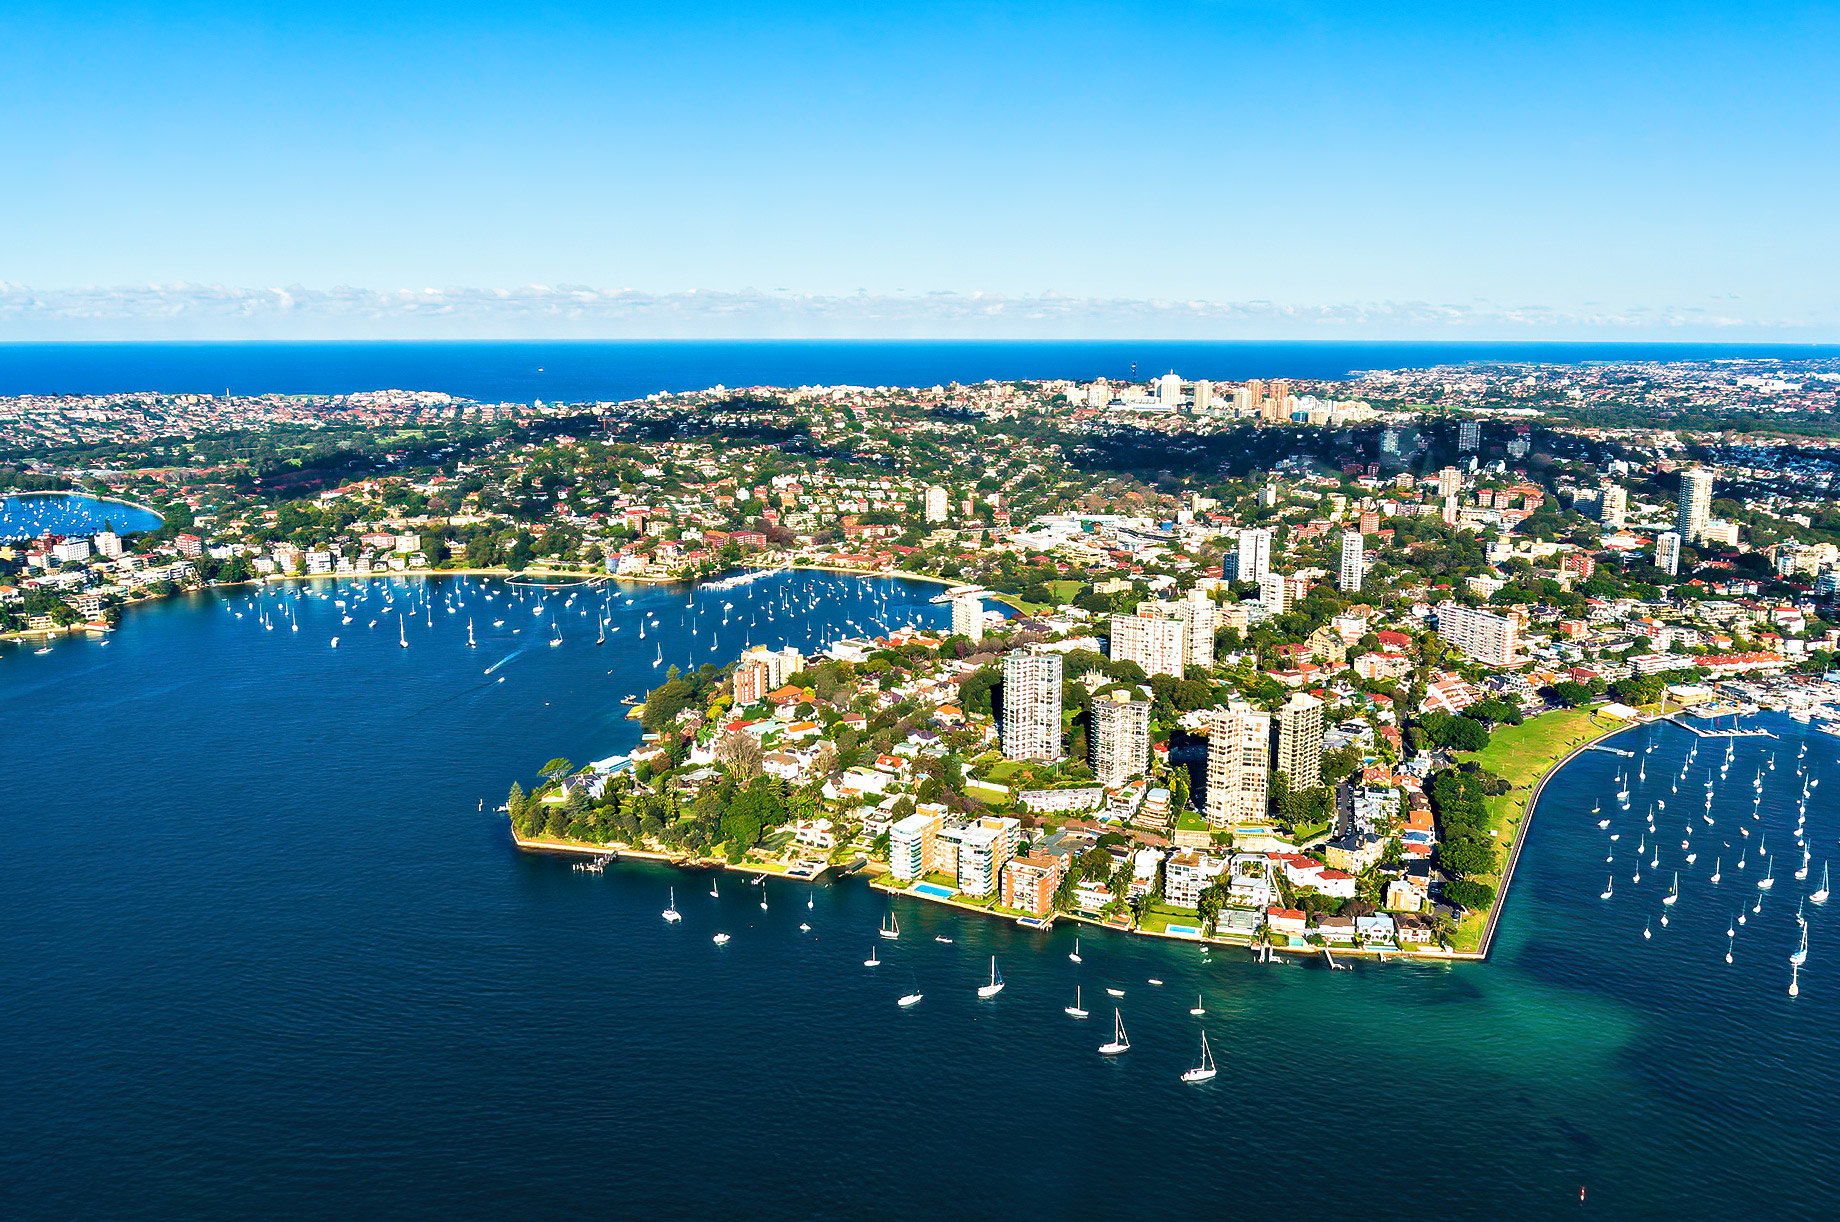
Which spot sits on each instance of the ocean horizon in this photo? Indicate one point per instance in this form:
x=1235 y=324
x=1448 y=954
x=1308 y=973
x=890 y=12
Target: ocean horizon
x=568 y=371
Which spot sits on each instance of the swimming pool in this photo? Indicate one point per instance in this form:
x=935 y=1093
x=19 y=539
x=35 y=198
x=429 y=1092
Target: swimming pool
x=1186 y=931
x=934 y=889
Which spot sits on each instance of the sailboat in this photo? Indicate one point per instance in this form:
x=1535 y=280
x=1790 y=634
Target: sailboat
x=1819 y=894
x=1076 y=1009
x=912 y=998
x=1715 y=870
x=1609 y=888
x=402 y=632
x=1795 y=981
x=671 y=914
x=556 y=639
x=763 y=897
x=1120 y=1042
x=891 y=928
x=1197 y=1009
x=872 y=961
x=713 y=893
x=808 y=901
x=1768 y=880
x=1205 y=1070
x=996 y=981
x=470 y=642
x=1074 y=954
x=1674 y=893
x=1801 y=952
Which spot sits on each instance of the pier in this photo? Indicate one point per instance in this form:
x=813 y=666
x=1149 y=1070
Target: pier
x=1734 y=732
x=1611 y=751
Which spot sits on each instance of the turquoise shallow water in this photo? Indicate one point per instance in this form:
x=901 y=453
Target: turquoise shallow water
x=264 y=956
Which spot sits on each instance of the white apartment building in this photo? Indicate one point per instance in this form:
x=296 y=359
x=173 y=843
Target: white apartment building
x=910 y=843
x=1239 y=750
x=1187 y=874
x=1151 y=638
x=1667 y=552
x=1613 y=506
x=1695 y=503
x=1254 y=555
x=1032 y=706
x=1274 y=593
x=1120 y=738
x=982 y=850
x=968 y=617
x=1300 y=741
x=1354 y=561
x=935 y=503
x=1480 y=635
x=1200 y=616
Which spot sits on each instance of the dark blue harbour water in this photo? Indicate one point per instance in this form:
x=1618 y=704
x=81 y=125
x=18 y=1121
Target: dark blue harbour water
x=579 y=371
x=263 y=955
x=28 y=517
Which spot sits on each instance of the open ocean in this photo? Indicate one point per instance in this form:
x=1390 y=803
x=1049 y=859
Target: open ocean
x=264 y=956
x=581 y=371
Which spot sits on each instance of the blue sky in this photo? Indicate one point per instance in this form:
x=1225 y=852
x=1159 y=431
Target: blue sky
x=1382 y=166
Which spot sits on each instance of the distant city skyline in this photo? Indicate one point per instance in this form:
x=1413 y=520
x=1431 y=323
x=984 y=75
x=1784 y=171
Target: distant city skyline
x=1227 y=170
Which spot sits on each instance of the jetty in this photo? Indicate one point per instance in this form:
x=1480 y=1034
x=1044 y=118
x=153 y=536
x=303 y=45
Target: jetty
x=1734 y=732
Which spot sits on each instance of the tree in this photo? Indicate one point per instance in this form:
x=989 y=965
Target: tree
x=1571 y=693
x=556 y=768
x=1466 y=857
x=1458 y=733
x=740 y=753
x=1465 y=893
x=1178 y=787
x=1496 y=710
x=1338 y=764
x=1209 y=904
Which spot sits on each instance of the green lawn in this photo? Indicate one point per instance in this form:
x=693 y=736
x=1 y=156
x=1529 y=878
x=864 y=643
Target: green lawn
x=1521 y=755
x=1064 y=592
x=1156 y=918
x=1191 y=821
x=1305 y=832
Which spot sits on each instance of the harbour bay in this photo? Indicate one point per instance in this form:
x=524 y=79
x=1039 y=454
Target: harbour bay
x=265 y=948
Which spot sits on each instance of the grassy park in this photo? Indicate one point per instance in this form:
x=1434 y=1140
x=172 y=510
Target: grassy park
x=1521 y=755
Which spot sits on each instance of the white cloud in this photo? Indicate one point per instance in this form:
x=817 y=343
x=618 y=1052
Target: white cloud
x=190 y=311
